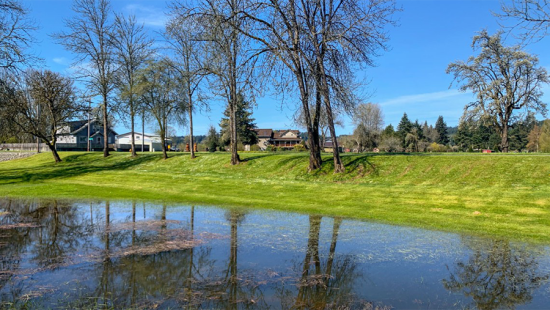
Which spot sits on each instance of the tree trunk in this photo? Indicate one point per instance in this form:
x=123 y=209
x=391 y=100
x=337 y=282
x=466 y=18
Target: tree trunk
x=105 y=128
x=191 y=142
x=54 y=152
x=133 y=121
x=312 y=126
x=134 y=154
x=163 y=142
x=338 y=165
x=235 y=159
x=504 y=145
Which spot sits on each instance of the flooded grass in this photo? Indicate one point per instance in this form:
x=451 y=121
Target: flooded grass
x=58 y=254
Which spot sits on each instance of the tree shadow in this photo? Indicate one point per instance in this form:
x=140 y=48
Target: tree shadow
x=72 y=166
x=252 y=158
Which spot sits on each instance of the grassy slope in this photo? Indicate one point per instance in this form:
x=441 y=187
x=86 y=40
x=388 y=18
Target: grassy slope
x=512 y=192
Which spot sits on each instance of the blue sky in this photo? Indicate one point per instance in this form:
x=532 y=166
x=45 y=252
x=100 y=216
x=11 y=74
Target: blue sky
x=410 y=77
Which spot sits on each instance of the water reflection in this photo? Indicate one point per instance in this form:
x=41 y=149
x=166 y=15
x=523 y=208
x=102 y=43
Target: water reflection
x=319 y=285
x=496 y=275
x=59 y=254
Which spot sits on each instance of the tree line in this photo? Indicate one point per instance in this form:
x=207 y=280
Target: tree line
x=236 y=50
x=231 y=50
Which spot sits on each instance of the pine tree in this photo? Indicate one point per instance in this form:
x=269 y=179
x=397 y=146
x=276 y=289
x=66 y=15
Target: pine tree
x=419 y=130
x=388 y=131
x=463 y=136
x=212 y=139
x=441 y=129
x=245 y=124
x=404 y=128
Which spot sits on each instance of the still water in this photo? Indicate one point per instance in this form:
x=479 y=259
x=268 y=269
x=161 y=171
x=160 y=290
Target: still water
x=60 y=254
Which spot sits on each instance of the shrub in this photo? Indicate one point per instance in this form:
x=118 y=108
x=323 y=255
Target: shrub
x=434 y=147
x=299 y=148
x=391 y=144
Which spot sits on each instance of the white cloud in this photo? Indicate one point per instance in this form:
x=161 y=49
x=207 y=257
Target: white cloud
x=149 y=16
x=421 y=98
x=62 y=61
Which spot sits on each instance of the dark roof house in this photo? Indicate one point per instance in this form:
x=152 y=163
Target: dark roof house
x=286 y=139
x=73 y=136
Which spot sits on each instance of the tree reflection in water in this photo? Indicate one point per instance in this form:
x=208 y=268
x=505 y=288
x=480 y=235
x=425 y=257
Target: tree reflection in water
x=65 y=255
x=324 y=281
x=496 y=275
x=233 y=290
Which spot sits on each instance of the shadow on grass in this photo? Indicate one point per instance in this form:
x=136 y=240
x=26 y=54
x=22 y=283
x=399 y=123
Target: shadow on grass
x=356 y=165
x=252 y=158
x=72 y=166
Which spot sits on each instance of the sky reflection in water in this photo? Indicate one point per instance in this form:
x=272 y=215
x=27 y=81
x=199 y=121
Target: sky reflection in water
x=140 y=255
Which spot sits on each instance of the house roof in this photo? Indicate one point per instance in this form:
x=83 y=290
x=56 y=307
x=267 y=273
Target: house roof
x=264 y=133
x=280 y=133
x=77 y=126
x=139 y=133
x=328 y=144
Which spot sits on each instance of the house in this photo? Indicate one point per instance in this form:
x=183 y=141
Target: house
x=150 y=142
x=264 y=137
x=278 y=138
x=329 y=147
x=73 y=136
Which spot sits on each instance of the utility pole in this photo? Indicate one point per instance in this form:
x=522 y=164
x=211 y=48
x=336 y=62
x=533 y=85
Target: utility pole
x=89 y=109
x=38 y=139
x=143 y=130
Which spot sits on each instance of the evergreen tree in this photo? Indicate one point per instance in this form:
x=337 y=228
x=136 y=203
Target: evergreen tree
x=404 y=128
x=519 y=132
x=388 y=132
x=463 y=137
x=441 y=129
x=245 y=124
x=212 y=139
x=419 y=130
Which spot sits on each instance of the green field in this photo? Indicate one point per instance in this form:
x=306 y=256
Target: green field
x=504 y=196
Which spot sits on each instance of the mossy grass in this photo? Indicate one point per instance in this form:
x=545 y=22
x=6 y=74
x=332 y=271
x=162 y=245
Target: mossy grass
x=496 y=195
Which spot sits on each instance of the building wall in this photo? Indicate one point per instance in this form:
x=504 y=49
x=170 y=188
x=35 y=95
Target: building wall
x=263 y=143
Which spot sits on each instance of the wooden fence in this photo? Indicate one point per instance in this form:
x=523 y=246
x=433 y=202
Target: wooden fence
x=23 y=147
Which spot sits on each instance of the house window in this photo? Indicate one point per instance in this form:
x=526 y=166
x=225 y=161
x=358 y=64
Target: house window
x=82 y=139
x=138 y=137
x=98 y=140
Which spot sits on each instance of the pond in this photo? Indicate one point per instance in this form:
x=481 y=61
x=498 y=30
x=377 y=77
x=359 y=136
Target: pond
x=126 y=255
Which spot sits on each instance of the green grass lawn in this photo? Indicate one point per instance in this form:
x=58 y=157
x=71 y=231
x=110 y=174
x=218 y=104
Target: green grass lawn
x=504 y=196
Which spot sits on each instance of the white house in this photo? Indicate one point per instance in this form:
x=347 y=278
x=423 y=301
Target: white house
x=150 y=142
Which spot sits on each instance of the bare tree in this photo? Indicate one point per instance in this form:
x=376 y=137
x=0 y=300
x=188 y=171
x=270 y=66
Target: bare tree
x=504 y=80
x=181 y=32
x=133 y=49
x=276 y=27
x=15 y=34
x=89 y=38
x=369 y=121
x=323 y=127
x=530 y=17
x=38 y=107
x=343 y=33
x=158 y=88
x=230 y=63
x=321 y=41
